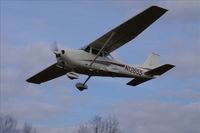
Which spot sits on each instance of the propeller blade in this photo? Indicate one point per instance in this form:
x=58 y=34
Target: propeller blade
x=54 y=47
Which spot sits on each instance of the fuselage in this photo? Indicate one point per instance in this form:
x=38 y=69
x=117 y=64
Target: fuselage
x=79 y=61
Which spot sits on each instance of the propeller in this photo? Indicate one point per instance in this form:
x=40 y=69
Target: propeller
x=54 y=47
x=56 y=51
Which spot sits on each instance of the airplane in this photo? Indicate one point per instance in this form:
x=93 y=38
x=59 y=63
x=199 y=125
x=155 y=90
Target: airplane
x=95 y=59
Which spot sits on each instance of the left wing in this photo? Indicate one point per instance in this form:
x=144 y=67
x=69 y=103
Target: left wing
x=128 y=30
x=49 y=73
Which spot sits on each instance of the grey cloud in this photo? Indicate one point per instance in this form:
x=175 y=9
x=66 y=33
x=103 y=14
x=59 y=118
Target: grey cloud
x=178 y=10
x=187 y=94
x=185 y=56
x=34 y=110
x=158 y=117
x=29 y=102
x=26 y=56
x=17 y=64
x=60 y=129
x=184 y=10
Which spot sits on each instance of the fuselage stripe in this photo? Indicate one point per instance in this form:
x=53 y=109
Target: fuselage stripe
x=107 y=62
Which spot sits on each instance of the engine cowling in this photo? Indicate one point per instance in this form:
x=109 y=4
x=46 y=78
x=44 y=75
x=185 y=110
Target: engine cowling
x=72 y=75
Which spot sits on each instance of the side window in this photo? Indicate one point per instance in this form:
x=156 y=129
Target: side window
x=101 y=54
x=87 y=49
x=95 y=52
x=106 y=54
x=110 y=57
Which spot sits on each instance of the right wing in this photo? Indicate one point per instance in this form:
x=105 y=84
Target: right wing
x=128 y=30
x=49 y=73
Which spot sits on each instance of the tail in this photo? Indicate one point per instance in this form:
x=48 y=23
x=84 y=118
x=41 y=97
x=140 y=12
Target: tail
x=152 y=61
x=154 y=72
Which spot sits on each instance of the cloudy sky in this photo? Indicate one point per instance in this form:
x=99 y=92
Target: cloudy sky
x=170 y=103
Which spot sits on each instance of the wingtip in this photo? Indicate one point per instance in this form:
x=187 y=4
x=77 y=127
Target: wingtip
x=171 y=65
x=29 y=81
x=158 y=7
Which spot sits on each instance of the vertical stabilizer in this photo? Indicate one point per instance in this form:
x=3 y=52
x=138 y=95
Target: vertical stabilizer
x=152 y=61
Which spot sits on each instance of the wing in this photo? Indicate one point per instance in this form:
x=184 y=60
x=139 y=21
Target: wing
x=49 y=73
x=128 y=30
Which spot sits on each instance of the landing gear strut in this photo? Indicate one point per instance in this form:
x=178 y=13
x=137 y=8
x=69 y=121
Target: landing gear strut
x=83 y=86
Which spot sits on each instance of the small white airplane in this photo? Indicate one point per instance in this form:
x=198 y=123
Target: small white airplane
x=95 y=58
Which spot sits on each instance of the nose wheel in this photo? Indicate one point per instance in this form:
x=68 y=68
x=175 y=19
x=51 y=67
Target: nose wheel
x=83 y=86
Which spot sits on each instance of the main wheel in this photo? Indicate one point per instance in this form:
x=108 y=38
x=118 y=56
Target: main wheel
x=81 y=86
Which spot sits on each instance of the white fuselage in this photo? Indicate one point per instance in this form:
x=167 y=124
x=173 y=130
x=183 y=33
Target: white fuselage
x=79 y=61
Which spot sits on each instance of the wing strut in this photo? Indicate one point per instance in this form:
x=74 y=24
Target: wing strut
x=107 y=41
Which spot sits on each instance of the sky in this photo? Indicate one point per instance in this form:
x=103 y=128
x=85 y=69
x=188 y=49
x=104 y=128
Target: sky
x=170 y=103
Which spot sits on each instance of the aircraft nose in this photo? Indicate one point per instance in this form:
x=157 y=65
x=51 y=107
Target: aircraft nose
x=57 y=53
x=63 y=51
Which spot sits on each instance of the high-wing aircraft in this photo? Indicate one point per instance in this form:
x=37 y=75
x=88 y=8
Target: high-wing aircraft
x=95 y=59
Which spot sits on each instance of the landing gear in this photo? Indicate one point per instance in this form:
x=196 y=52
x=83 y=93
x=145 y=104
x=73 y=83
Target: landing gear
x=83 y=86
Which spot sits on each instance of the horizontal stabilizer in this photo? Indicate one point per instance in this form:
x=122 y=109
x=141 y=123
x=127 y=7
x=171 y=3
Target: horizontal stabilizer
x=160 y=70
x=49 y=73
x=137 y=81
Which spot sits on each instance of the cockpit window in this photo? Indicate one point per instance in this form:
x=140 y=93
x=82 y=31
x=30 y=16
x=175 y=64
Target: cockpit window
x=96 y=51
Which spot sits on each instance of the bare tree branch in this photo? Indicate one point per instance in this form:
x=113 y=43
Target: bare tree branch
x=9 y=125
x=100 y=125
